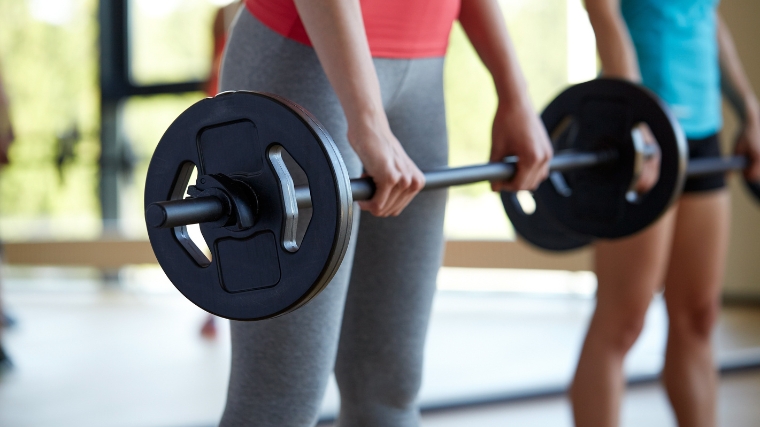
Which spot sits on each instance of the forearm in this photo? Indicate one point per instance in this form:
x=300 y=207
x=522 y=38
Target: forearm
x=734 y=81
x=483 y=22
x=613 y=41
x=336 y=30
x=517 y=130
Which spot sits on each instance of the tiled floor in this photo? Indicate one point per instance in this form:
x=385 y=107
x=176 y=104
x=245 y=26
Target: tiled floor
x=93 y=355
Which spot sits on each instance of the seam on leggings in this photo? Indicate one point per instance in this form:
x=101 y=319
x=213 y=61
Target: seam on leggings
x=401 y=83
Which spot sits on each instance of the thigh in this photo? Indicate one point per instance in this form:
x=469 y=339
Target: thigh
x=697 y=263
x=397 y=259
x=699 y=250
x=630 y=270
x=280 y=366
x=702 y=148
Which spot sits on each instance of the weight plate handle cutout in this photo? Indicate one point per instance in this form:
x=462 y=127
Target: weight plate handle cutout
x=289 y=198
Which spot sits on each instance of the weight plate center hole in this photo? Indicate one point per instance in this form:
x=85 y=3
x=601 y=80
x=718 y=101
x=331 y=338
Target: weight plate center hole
x=194 y=230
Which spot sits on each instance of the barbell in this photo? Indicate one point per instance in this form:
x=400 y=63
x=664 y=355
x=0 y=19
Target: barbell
x=545 y=232
x=219 y=206
x=275 y=204
x=573 y=208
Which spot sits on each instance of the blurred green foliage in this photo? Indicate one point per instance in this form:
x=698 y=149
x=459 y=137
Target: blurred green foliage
x=50 y=72
x=51 y=75
x=538 y=32
x=170 y=40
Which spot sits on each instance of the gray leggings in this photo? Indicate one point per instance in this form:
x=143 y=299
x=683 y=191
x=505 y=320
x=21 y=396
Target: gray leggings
x=370 y=323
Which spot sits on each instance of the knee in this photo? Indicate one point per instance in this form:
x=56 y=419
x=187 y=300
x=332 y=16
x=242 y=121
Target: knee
x=620 y=328
x=628 y=331
x=379 y=389
x=695 y=321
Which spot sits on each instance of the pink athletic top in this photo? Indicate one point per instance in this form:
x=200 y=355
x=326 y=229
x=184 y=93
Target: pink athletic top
x=395 y=28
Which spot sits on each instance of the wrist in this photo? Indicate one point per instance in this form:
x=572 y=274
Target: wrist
x=364 y=112
x=364 y=129
x=628 y=76
x=515 y=104
x=751 y=111
x=512 y=92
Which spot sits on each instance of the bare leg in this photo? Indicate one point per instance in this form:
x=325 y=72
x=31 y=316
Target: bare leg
x=692 y=296
x=208 y=329
x=628 y=271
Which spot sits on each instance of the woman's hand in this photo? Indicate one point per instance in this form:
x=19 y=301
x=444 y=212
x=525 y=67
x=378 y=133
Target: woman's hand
x=517 y=131
x=397 y=179
x=336 y=29
x=647 y=170
x=738 y=91
x=748 y=144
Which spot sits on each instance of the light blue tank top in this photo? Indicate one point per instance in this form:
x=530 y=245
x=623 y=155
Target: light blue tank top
x=677 y=47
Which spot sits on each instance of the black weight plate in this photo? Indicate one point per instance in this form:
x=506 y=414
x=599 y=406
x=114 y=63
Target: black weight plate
x=540 y=229
x=592 y=201
x=250 y=275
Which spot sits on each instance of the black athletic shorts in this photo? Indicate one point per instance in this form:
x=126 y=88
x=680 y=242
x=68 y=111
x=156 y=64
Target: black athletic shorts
x=699 y=148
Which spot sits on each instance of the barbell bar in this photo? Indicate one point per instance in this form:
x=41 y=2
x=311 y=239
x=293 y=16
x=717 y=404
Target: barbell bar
x=712 y=165
x=195 y=210
x=175 y=213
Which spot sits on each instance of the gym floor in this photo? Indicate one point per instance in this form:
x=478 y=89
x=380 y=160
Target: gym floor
x=128 y=353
